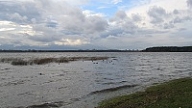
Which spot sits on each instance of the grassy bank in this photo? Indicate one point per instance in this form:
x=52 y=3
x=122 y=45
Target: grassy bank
x=173 y=94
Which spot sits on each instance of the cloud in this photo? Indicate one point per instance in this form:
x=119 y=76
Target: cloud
x=181 y=19
x=73 y=19
x=48 y=23
x=122 y=24
x=157 y=14
x=116 y=1
x=136 y=17
x=121 y=15
x=76 y=2
x=6 y=29
x=71 y=42
x=189 y=3
x=168 y=26
x=67 y=24
x=20 y=12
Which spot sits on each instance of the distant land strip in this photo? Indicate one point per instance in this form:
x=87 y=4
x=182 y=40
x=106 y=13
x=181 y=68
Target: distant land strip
x=70 y=50
x=150 y=49
x=169 y=49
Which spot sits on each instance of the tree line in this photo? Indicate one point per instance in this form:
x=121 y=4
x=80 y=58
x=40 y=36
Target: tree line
x=169 y=49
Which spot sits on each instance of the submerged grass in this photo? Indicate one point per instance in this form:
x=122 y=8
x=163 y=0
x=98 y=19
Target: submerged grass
x=41 y=61
x=173 y=94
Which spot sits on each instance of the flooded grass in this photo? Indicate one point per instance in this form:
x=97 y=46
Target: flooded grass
x=172 y=94
x=19 y=62
x=42 y=61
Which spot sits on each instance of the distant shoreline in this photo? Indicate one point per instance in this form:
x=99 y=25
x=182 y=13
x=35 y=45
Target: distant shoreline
x=149 y=49
x=19 y=51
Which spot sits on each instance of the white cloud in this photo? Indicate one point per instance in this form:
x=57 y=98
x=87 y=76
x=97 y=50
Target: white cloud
x=6 y=29
x=89 y=13
x=76 y=2
x=116 y=1
x=50 y=23
x=71 y=42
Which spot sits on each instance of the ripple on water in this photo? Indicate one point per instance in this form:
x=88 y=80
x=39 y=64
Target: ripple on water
x=113 y=89
x=46 y=105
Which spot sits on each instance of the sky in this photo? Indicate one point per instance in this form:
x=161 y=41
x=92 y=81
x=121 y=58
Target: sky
x=94 y=24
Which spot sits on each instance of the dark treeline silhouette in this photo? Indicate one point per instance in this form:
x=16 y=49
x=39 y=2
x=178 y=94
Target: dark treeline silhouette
x=150 y=49
x=169 y=49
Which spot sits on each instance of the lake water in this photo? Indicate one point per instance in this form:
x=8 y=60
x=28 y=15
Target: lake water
x=82 y=84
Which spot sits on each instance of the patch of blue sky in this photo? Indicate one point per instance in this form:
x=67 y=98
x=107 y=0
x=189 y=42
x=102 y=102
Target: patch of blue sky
x=107 y=8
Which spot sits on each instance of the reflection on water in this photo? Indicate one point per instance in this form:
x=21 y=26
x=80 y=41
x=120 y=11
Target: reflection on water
x=83 y=84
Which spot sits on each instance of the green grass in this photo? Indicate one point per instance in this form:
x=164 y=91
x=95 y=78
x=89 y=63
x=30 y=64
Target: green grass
x=173 y=94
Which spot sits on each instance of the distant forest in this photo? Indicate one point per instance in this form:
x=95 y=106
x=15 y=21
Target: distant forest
x=169 y=49
x=150 y=49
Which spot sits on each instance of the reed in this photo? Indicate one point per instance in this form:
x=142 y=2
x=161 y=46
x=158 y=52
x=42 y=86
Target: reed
x=42 y=61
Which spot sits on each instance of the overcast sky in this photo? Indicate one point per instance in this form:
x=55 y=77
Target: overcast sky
x=94 y=24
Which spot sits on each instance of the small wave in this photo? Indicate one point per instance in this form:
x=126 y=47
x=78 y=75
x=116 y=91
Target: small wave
x=113 y=89
x=14 y=83
x=47 y=105
x=5 y=69
x=110 y=83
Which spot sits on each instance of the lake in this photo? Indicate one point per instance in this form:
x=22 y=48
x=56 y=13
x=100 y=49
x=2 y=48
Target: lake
x=84 y=83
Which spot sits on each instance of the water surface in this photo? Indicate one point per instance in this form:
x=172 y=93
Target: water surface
x=82 y=84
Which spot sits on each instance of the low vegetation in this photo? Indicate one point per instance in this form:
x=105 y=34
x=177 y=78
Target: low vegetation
x=173 y=94
x=41 y=61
